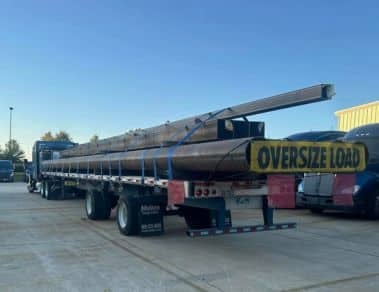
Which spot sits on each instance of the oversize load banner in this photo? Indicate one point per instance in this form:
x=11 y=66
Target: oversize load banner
x=300 y=156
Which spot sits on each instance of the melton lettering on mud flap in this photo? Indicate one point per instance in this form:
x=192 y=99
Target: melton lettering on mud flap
x=300 y=156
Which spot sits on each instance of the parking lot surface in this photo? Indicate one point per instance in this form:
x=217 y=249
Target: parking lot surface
x=50 y=245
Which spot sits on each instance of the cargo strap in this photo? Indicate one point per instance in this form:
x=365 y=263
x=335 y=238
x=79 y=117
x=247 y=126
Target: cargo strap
x=172 y=149
x=155 y=168
x=143 y=166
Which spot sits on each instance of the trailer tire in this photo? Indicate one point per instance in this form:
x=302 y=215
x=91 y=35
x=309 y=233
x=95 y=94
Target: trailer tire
x=127 y=217
x=98 y=206
x=198 y=218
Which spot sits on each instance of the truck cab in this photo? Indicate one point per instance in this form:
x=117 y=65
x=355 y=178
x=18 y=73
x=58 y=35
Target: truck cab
x=311 y=136
x=44 y=150
x=356 y=192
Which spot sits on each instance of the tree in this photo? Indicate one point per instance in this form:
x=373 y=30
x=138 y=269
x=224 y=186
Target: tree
x=62 y=136
x=47 y=136
x=13 y=152
x=59 y=136
x=94 y=138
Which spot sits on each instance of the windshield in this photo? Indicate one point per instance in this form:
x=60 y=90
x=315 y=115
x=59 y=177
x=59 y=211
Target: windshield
x=6 y=164
x=369 y=135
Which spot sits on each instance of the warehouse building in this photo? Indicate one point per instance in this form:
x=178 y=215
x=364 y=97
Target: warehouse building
x=357 y=116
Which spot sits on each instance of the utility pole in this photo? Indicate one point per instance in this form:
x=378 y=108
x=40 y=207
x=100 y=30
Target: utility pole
x=10 y=125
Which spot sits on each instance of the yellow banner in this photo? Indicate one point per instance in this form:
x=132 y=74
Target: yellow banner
x=300 y=156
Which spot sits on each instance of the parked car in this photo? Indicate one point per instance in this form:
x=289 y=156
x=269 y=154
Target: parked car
x=6 y=170
x=358 y=192
x=311 y=136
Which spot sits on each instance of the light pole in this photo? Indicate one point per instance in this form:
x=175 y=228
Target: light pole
x=10 y=125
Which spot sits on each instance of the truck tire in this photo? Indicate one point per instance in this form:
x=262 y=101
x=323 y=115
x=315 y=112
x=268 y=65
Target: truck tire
x=53 y=190
x=48 y=192
x=98 y=206
x=127 y=217
x=43 y=189
x=198 y=218
x=372 y=206
x=31 y=186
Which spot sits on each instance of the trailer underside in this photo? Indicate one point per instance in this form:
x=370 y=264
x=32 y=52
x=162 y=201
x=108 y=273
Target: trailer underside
x=142 y=202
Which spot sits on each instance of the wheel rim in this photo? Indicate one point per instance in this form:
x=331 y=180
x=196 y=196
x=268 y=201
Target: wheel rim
x=122 y=215
x=89 y=204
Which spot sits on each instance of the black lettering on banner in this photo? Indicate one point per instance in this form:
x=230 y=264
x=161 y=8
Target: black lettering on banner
x=315 y=158
x=275 y=155
x=302 y=157
x=309 y=156
x=332 y=164
x=356 y=158
x=284 y=157
x=348 y=159
x=293 y=157
x=323 y=157
x=340 y=157
x=263 y=157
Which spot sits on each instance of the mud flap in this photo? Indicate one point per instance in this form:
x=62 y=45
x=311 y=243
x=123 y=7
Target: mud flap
x=150 y=215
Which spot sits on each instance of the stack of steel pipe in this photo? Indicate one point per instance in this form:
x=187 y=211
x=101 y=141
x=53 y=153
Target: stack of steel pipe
x=211 y=157
x=205 y=152
x=172 y=132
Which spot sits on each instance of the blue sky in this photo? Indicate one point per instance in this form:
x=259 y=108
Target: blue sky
x=108 y=66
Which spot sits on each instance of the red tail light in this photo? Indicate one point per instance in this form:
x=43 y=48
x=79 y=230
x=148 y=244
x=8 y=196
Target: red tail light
x=206 y=192
x=198 y=193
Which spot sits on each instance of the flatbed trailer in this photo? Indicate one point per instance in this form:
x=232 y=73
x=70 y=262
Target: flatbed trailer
x=173 y=169
x=143 y=201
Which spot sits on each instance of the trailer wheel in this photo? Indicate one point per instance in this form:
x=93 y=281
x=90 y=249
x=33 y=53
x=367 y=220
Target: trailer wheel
x=198 y=218
x=98 y=206
x=127 y=219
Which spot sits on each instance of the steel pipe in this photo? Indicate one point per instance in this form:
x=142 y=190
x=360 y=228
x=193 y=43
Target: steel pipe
x=217 y=157
x=174 y=131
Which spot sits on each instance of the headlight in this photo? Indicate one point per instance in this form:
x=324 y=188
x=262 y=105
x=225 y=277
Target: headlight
x=12 y=173
x=300 y=187
x=356 y=189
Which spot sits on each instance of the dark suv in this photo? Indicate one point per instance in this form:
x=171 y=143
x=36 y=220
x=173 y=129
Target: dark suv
x=357 y=192
x=6 y=170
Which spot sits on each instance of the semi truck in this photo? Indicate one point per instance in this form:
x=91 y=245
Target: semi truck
x=199 y=168
x=357 y=192
x=43 y=150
